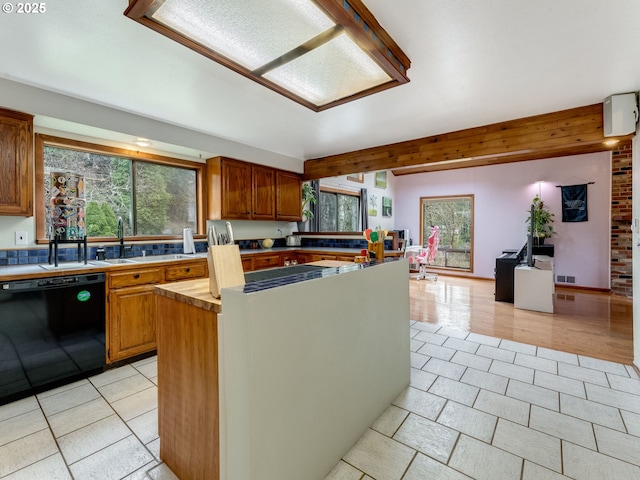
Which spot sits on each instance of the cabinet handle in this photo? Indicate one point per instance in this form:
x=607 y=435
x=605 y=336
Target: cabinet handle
x=188 y=270
x=137 y=275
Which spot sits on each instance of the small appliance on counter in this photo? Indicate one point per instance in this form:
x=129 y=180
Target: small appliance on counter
x=294 y=240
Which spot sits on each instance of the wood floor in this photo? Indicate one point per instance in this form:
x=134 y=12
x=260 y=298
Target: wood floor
x=587 y=323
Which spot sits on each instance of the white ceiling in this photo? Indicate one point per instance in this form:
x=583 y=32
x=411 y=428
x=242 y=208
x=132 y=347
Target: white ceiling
x=473 y=63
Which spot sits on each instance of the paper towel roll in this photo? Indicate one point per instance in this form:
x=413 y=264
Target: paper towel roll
x=187 y=241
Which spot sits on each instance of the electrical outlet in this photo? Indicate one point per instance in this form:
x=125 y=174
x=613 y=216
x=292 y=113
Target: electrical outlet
x=21 y=238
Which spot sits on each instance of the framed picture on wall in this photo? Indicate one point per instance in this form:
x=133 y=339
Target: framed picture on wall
x=373 y=206
x=381 y=179
x=386 y=206
x=357 y=177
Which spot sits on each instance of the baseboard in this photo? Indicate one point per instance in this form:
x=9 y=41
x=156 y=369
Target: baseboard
x=447 y=273
x=578 y=287
x=636 y=368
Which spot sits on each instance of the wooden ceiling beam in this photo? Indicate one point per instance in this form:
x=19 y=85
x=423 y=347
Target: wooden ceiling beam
x=567 y=132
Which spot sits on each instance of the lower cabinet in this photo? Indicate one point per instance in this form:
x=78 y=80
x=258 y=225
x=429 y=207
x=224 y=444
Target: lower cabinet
x=316 y=257
x=247 y=264
x=261 y=262
x=132 y=322
x=131 y=307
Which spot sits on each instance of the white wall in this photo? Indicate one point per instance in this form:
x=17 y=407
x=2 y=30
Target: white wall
x=28 y=99
x=503 y=194
x=341 y=182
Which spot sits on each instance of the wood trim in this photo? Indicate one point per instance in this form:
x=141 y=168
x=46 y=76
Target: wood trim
x=473 y=206
x=358 y=34
x=138 y=8
x=39 y=187
x=41 y=140
x=567 y=132
x=94 y=147
x=337 y=190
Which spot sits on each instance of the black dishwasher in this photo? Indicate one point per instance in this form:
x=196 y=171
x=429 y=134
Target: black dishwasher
x=52 y=332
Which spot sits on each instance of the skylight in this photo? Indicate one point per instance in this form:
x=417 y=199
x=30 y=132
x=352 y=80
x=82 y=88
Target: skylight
x=319 y=53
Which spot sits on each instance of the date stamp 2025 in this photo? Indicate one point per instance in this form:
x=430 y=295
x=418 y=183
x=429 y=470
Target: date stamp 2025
x=24 y=7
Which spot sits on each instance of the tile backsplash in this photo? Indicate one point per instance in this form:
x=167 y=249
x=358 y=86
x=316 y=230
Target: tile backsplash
x=70 y=254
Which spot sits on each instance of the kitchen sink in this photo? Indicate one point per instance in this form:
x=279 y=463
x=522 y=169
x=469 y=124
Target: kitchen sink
x=112 y=261
x=162 y=258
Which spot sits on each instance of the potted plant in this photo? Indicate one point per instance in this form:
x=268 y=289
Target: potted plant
x=308 y=199
x=542 y=221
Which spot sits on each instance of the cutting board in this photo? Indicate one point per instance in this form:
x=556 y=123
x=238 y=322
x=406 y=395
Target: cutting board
x=225 y=268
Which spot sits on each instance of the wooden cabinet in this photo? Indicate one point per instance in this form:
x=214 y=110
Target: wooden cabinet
x=186 y=272
x=288 y=257
x=247 y=264
x=266 y=261
x=303 y=258
x=131 y=308
x=288 y=196
x=16 y=163
x=240 y=190
x=132 y=322
x=131 y=312
x=263 y=202
x=236 y=190
x=317 y=257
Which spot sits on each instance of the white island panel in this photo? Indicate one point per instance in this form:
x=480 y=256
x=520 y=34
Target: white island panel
x=306 y=368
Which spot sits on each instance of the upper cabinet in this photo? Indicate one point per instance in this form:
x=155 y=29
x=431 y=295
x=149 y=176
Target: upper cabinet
x=16 y=163
x=288 y=196
x=263 y=193
x=244 y=191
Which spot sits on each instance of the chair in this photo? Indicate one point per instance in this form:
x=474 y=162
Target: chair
x=421 y=257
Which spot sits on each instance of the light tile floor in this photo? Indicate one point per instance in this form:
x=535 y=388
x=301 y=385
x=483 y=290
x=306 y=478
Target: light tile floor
x=478 y=407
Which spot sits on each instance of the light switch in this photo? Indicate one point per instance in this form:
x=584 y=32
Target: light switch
x=21 y=238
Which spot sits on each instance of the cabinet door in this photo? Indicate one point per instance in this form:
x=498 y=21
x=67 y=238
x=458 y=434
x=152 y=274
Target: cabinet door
x=16 y=145
x=236 y=190
x=266 y=261
x=184 y=272
x=288 y=196
x=131 y=322
x=316 y=257
x=303 y=258
x=263 y=193
x=247 y=264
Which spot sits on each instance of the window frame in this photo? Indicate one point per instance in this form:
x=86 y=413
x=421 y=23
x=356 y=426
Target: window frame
x=42 y=139
x=471 y=226
x=338 y=191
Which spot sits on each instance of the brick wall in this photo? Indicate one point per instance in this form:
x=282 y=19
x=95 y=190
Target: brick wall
x=621 y=215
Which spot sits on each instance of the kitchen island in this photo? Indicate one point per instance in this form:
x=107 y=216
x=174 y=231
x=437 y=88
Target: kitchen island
x=278 y=380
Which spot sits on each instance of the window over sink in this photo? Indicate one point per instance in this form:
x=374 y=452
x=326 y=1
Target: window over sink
x=155 y=196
